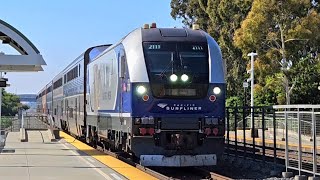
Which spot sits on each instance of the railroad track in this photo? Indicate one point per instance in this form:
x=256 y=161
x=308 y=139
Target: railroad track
x=190 y=173
x=269 y=151
x=268 y=155
x=213 y=175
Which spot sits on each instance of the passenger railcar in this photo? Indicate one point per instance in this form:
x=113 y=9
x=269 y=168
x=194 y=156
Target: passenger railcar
x=159 y=94
x=42 y=101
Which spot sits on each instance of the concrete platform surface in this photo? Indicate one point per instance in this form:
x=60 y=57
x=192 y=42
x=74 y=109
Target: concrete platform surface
x=41 y=159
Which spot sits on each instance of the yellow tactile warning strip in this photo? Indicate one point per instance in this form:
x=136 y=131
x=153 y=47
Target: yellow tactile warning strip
x=126 y=170
x=270 y=142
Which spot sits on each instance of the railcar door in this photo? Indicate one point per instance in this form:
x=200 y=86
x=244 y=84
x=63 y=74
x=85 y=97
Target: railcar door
x=121 y=142
x=67 y=116
x=122 y=87
x=76 y=115
x=121 y=77
x=60 y=115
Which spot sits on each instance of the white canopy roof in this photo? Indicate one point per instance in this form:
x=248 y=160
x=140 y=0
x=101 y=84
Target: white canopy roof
x=30 y=58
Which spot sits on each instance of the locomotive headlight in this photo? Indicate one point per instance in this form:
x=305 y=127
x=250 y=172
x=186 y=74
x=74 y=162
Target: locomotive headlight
x=184 y=77
x=173 y=77
x=208 y=121
x=141 y=89
x=211 y=121
x=145 y=120
x=151 y=120
x=216 y=90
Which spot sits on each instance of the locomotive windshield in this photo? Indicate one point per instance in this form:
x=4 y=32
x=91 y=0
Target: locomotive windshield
x=177 y=70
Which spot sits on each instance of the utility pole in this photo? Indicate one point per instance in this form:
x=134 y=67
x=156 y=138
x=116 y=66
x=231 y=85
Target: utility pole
x=245 y=85
x=251 y=79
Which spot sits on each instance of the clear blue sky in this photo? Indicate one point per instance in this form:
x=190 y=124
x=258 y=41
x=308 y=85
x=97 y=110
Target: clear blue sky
x=62 y=30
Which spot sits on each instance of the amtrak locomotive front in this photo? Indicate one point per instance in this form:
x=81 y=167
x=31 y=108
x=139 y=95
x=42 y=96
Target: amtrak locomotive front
x=158 y=94
x=178 y=110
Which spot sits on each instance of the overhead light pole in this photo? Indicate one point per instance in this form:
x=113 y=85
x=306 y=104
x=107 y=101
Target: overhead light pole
x=251 y=79
x=252 y=54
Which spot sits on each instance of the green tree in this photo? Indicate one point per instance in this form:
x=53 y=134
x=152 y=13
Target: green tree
x=10 y=104
x=234 y=101
x=307 y=78
x=189 y=11
x=25 y=107
x=220 y=19
x=280 y=31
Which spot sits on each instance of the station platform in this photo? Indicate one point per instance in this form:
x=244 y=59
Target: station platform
x=39 y=159
x=306 y=142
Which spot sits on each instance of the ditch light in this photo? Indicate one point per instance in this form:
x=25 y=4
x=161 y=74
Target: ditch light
x=141 y=89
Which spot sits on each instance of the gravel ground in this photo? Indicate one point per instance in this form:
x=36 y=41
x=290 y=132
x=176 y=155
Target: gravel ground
x=235 y=168
x=240 y=168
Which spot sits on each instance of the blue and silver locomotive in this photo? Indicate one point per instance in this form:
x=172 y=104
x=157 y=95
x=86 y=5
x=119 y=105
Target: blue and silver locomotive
x=158 y=94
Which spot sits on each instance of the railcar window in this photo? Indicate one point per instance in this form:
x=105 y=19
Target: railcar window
x=196 y=62
x=72 y=74
x=57 y=84
x=76 y=68
x=161 y=61
x=49 y=89
x=96 y=51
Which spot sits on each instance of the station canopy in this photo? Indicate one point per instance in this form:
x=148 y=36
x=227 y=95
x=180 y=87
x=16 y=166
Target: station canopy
x=29 y=60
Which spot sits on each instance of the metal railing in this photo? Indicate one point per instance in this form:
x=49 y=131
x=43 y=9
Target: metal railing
x=35 y=122
x=251 y=130
x=10 y=123
x=302 y=134
x=291 y=133
x=27 y=121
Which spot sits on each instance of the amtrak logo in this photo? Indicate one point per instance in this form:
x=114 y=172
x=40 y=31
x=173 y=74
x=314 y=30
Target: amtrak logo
x=180 y=107
x=162 y=105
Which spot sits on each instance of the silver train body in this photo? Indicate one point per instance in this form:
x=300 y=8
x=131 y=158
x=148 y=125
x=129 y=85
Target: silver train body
x=131 y=96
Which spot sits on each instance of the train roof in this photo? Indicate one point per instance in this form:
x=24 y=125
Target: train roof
x=172 y=34
x=162 y=34
x=132 y=43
